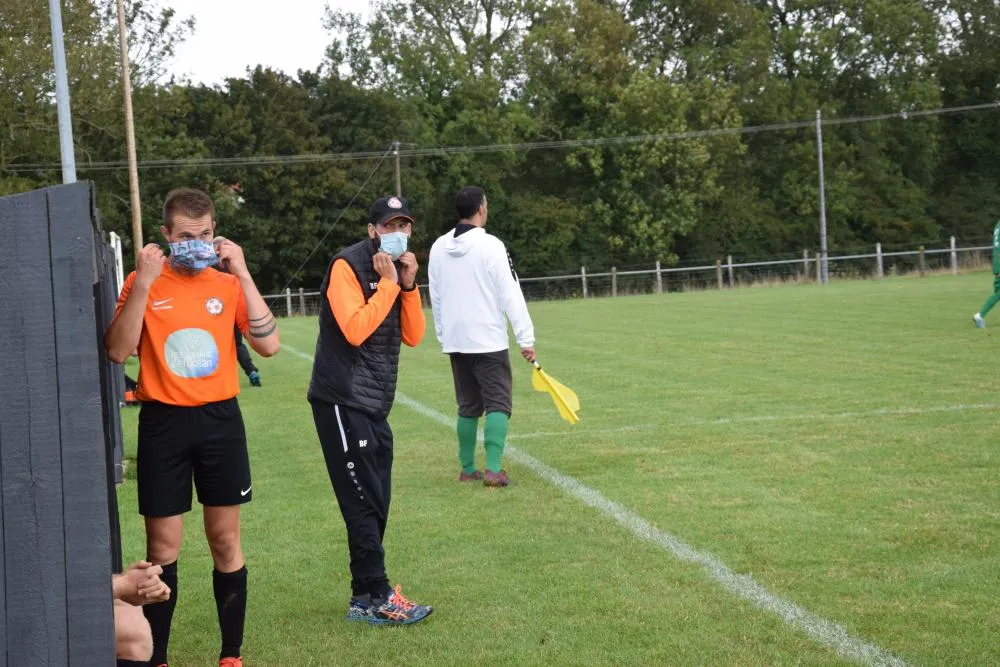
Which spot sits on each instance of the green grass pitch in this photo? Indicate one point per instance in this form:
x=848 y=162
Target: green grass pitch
x=837 y=444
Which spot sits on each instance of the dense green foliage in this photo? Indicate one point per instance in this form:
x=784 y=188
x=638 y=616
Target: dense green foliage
x=434 y=73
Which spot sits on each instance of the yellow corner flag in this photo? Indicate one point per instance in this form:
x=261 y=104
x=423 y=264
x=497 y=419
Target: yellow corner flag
x=565 y=398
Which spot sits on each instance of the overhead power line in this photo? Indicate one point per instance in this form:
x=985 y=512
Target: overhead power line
x=329 y=229
x=311 y=158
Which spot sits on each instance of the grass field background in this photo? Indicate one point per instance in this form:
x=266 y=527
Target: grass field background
x=838 y=444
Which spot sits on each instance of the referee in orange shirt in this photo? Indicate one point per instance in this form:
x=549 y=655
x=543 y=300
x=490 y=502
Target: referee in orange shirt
x=180 y=314
x=372 y=306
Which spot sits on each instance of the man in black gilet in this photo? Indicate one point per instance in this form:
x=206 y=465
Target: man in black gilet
x=371 y=306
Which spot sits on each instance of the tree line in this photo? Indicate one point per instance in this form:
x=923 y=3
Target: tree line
x=506 y=73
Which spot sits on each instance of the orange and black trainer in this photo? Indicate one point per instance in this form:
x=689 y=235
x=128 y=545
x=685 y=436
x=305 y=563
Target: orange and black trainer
x=394 y=609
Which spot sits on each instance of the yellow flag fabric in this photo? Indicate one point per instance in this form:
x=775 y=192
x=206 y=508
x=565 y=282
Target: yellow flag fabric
x=566 y=400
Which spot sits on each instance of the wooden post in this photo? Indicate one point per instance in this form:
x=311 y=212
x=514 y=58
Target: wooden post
x=805 y=264
x=819 y=270
x=659 y=278
x=302 y=301
x=718 y=273
x=729 y=262
x=954 y=258
x=399 y=184
x=133 y=168
x=614 y=281
x=583 y=279
x=879 y=266
x=922 y=264
x=288 y=301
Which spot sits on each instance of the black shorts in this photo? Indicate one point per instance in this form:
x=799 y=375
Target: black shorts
x=483 y=382
x=206 y=443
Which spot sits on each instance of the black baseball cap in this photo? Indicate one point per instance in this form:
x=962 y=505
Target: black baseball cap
x=389 y=208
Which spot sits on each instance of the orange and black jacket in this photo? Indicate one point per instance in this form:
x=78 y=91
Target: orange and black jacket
x=363 y=320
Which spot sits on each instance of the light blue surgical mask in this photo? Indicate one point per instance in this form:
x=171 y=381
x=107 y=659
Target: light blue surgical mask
x=193 y=255
x=394 y=244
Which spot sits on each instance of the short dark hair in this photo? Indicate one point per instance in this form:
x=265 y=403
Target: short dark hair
x=186 y=201
x=468 y=200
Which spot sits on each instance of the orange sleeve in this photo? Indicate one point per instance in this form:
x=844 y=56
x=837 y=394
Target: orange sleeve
x=358 y=320
x=414 y=323
x=126 y=288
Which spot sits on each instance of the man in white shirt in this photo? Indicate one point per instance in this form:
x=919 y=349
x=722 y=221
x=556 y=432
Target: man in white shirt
x=474 y=292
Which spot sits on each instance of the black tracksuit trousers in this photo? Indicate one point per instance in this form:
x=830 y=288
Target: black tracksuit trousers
x=358 y=453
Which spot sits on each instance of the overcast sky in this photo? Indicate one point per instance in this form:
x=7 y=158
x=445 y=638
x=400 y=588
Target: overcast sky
x=231 y=35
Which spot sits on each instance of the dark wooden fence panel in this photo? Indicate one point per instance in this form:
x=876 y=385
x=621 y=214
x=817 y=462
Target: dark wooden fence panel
x=85 y=484
x=58 y=434
x=113 y=389
x=34 y=547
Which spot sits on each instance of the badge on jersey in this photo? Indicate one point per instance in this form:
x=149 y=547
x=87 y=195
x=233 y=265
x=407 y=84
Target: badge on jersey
x=213 y=306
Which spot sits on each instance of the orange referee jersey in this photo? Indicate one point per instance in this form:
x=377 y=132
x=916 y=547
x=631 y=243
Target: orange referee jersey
x=187 y=350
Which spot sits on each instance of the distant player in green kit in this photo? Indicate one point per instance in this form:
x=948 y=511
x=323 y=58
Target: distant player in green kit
x=995 y=297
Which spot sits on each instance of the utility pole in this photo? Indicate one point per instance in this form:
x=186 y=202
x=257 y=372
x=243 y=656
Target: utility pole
x=399 y=186
x=68 y=157
x=824 y=273
x=133 y=168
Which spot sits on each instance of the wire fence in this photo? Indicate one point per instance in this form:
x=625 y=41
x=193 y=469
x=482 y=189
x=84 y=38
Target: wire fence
x=721 y=274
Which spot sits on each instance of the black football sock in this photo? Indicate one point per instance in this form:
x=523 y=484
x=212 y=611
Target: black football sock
x=231 y=602
x=161 y=614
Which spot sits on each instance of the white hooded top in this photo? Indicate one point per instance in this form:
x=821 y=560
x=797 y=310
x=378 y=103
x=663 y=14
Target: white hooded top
x=473 y=288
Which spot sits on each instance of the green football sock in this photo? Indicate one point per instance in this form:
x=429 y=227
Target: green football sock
x=494 y=437
x=990 y=302
x=467 y=429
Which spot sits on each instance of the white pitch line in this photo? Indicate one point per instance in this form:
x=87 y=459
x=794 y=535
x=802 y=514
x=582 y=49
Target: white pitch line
x=298 y=353
x=881 y=412
x=557 y=434
x=824 y=632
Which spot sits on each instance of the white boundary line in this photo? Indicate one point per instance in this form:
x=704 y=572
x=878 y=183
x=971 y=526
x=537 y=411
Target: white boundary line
x=751 y=419
x=827 y=633
x=560 y=434
x=817 y=416
x=298 y=353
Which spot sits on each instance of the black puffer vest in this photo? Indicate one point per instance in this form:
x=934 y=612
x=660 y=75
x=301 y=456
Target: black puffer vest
x=363 y=378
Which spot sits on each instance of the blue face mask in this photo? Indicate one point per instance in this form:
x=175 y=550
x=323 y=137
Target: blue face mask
x=193 y=255
x=394 y=244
